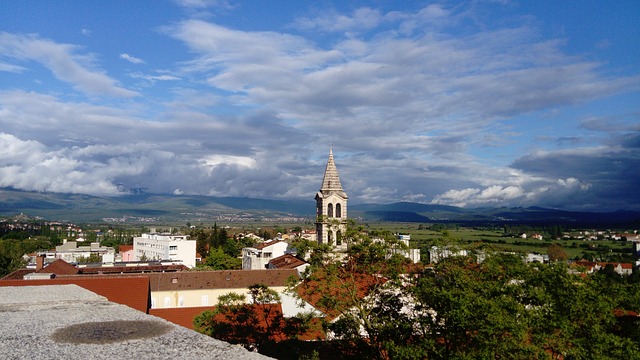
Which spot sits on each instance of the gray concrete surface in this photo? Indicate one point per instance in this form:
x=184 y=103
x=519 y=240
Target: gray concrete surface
x=69 y=322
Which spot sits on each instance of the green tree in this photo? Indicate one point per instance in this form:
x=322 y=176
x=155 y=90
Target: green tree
x=92 y=258
x=218 y=260
x=469 y=310
x=360 y=295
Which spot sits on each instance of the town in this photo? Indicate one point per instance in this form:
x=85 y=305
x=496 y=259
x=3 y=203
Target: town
x=342 y=289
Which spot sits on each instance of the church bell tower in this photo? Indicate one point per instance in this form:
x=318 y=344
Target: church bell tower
x=331 y=208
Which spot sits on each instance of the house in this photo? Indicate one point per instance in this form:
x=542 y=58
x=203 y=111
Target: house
x=530 y=258
x=202 y=288
x=60 y=268
x=591 y=267
x=288 y=261
x=156 y=246
x=125 y=253
x=70 y=252
x=258 y=257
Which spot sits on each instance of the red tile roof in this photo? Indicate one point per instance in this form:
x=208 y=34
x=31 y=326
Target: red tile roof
x=224 y=279
x=265 y=244
x=332 y=297
x=132 y=269
x=59 y=267
x=18 y=274
x=182 y=316
x=286 y=261
x=124 y=248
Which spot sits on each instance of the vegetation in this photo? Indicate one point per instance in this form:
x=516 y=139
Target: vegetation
x=379 y=306
x=255 y=325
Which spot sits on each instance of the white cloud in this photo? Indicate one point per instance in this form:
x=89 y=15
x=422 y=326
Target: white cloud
x=11 y=68
x=198 y=4
x=131 y=59
x=214 y=160
x=421 y=105
x=63 y=63
x=364 y=18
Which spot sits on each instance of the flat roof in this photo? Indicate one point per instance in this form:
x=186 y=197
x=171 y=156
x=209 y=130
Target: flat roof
x=67 y=321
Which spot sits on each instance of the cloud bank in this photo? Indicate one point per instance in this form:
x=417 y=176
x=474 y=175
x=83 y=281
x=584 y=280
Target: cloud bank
x=424 y=105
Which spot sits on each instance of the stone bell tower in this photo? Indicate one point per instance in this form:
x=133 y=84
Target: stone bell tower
x=331 y=208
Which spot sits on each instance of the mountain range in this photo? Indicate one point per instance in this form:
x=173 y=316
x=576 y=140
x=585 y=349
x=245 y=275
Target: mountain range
x=160 y=208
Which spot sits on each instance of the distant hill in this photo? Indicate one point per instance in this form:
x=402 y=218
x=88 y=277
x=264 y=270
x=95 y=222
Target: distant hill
x=160 y=208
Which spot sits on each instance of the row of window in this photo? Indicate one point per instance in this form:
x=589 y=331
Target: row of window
x=338 y=208
x=167 y=301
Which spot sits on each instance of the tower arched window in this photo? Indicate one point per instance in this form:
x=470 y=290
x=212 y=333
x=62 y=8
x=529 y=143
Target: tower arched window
x=330 y=210
x=338 y=210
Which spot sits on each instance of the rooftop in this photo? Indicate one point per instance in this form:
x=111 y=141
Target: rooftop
x=67 y=321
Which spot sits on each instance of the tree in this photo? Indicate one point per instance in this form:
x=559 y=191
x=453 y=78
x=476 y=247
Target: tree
x=556 y=253
x=468 y=310
x=92 y=258
x=361 y=296
x=252 y=324
x=218 y=260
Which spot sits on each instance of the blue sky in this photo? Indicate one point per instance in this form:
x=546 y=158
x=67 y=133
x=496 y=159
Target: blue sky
x=476 y=103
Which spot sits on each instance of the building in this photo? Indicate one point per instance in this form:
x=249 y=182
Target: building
x=258 y=257
x=438 y=253
x=406 y=251
x=288 y=261
x=70 y=252
x=203 y=288
x=165 y=247
x=331 y=208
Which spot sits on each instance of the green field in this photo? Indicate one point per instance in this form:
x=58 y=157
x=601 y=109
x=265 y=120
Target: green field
x=494 y=238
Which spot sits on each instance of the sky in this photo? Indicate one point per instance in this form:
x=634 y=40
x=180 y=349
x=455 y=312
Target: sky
x=483 y=103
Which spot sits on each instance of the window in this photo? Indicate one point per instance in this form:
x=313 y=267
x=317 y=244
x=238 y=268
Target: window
x=338 y=210
x=173 y=247
x=181 y=301
x=330 y=210
x=167 y=302
x=205 y=300
x=339 y=238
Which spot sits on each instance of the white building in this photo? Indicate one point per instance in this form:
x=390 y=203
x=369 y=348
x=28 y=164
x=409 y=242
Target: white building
x=70 y=252
x=438 y=253
x=165 y=247
x=258 y=257
x=411 y=254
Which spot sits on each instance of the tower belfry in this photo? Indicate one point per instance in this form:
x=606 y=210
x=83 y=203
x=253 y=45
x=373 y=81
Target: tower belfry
x=331 y=208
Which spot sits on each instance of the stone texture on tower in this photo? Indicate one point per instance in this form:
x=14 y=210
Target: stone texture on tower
x=331 y=208
x=331 y=180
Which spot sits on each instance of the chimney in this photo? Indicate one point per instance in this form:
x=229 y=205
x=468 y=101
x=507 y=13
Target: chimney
x=40 y=261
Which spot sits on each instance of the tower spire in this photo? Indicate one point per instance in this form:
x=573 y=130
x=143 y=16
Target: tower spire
x=331 y=180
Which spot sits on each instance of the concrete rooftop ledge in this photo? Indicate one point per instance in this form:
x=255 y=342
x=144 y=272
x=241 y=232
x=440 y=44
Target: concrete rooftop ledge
x=69 y=322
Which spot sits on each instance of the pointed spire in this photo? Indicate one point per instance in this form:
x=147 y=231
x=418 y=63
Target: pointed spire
x=331 y=180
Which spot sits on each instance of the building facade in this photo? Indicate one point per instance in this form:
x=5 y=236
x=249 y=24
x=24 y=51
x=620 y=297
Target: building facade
x=165 y=247
x=258 y=257
x=331 y=208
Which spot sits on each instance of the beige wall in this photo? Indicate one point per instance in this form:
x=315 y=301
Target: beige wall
x=193 y=298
